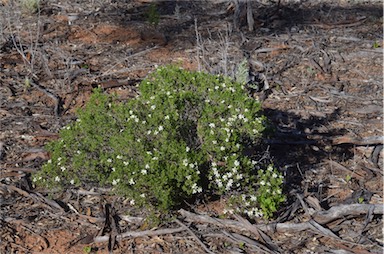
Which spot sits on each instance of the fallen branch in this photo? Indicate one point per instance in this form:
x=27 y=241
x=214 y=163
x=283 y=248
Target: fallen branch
x=372 y=140
x=100 y=239
x=322 y=217
x=341 y=211
x=194 y=236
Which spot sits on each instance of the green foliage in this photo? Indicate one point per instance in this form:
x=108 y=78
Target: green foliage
x=184 y=135
x=31 y=6
x=153 y=15
x=87 y=249
x=241 y=75
x=376 y=45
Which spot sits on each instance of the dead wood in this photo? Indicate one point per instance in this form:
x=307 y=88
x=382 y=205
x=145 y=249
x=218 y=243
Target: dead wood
x=372 y=140
x=342 y=211
x=237 y=238
x=57 y=100
x=321 y=217
x=131 y=234
x=194 y=236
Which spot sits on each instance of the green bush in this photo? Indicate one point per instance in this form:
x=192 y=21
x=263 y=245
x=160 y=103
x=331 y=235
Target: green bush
x=184 y=135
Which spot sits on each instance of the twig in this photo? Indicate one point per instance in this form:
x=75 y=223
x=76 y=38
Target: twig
x=236 y=238
x=194 y=236
x=57 y=99
x=337 y=165
x=264 y=238
x=198 y=46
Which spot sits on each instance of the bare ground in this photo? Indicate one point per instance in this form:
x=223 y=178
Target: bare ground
x=319 y=68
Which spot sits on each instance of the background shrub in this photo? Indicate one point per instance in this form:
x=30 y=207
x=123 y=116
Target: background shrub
x=184 y=135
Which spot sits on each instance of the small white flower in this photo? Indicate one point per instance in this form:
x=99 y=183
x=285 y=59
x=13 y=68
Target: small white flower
x=155 y=158
x=185 y=162
x=147 y=166
x=187 y=149
x=72 y=182
x=274 y=175
x=136 y=120
x=143 y=171
x=212 y=132
x=207 y=101
x=113 y=169
x=49 y=161
x=166 y=117
x=214 y=142
x=227 y=140
x=229 y=106
x=217 y=87
x=229 y=184
x=34 y=179
x=161 y=128
x=153 y=107
x=239 y=176
x=149 y=152
x=131 y=181
x=78 y=152
x=241 y=116
x=132 y=202
x=212 y=125
x=236 y=163
x=156 y=132
x=142 y=195
x=262 y=183
x=222 y=148
x=188 y=177
x=119 y=157
x=62 y=168
x=143 y=122
x=57 y=179
x=109 y=160
x=59 y=159
x=191 y=165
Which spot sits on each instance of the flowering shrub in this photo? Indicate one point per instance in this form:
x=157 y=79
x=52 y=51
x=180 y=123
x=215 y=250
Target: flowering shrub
x=185 y=134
